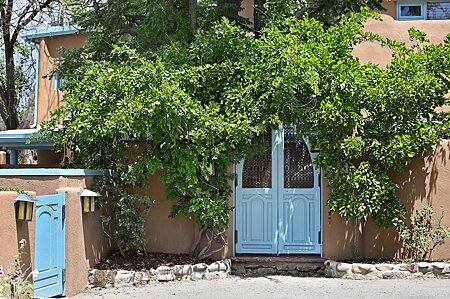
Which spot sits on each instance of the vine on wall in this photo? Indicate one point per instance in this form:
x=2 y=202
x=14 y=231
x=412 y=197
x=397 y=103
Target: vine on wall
x=205 y=105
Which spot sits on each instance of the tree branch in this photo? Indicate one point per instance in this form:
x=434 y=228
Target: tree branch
x=30 y=18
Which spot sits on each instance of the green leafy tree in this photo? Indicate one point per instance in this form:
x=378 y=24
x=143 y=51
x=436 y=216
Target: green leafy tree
x=198 y=107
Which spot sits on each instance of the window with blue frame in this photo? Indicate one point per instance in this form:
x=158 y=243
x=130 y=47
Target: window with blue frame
x=411 y=11
x=59 y=80
x=426 y=10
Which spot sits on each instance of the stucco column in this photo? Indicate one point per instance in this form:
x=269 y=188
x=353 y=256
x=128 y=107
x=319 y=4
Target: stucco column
x=2 y=157
x=76 y=267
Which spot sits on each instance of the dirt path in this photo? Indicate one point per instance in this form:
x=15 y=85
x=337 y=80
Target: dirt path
x=281 y=287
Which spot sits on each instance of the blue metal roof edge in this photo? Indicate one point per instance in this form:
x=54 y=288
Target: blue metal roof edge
x=50 y=31
x=22 y=140
x=53 y=172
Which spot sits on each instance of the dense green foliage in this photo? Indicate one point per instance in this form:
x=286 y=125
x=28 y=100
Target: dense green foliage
x=197 y=108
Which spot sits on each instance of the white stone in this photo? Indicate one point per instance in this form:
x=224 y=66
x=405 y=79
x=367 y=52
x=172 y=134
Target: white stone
x=222 y=266
x=331 y=265
x=124 y=277
x=331 y=269
x=343 y=267
x=362 y=268
x=384 y=267
x=438 y=267
x=104 y=278
x=165 y=273
x=141 y=277
x=201 y=267
x=182 y=271
x=411 y=267
x=425 y=267
x=446 y=270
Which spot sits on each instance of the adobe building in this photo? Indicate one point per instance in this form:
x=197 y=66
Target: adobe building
x=279 y=199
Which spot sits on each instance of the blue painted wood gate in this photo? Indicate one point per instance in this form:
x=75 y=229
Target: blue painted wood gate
x=278 y=204
x=50 y=248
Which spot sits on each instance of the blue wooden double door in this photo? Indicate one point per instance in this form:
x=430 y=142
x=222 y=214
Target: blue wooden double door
x=278 y=204
x=50 y=248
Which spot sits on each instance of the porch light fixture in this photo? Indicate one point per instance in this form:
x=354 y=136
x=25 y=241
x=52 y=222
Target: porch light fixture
x=24 y=207
x=88 y=200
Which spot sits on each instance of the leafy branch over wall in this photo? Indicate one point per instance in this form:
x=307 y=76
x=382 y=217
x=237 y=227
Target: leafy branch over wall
x=205 y=105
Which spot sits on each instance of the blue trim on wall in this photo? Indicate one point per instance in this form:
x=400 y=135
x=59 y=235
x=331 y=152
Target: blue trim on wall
x=17 y=139
x=50 y=31
x=53 y=172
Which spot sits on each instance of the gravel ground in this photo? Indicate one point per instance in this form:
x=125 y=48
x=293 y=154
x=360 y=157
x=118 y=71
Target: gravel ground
x=281 y=287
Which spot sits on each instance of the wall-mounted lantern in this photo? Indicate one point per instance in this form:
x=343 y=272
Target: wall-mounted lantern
x=88 y=200
x=24 y=207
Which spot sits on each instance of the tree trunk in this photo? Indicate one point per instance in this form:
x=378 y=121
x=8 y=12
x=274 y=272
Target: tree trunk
x=12 y=121
x=258 y=15
x=191 y=6
x=356 y=241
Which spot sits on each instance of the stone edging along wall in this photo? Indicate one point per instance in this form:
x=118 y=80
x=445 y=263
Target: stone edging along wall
x=335 y=269
x=110 y=278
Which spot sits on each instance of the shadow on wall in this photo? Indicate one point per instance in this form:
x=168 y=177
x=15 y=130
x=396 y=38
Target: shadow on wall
x=97 y=243
x=424 y=181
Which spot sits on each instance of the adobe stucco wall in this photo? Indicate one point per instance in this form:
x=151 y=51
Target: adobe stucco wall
x=86 y=241
x=388 y=27
x=12 y=232
x=425 y=180
x=49 y=98
x=164 y=234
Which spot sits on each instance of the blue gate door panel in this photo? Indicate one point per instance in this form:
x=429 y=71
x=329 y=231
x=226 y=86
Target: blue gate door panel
x=50 y=246
x=285 y=218
x=256 y=210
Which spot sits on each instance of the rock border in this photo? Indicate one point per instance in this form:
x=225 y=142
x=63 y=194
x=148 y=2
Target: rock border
x=359 y=271
x=120 y=278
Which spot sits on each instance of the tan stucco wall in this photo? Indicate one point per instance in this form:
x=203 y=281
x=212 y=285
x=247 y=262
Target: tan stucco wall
x=49 y=98
x=13 y=231
x=426 y=180
x=247 y=10
x=164 y=234
x=436 y=31
x=86 y=243
x=45 y=185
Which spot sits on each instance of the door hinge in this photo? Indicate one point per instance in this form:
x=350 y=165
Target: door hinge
x=319 y=237
x=63 y=217
x=319 y=177
x=235 y=237
x=236 y=180
x=64 y=276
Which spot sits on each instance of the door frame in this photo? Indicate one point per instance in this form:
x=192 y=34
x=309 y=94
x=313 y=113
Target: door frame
x=313 y=153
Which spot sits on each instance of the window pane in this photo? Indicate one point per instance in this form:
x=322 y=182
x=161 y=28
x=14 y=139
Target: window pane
x=438 y=11
x=410 y=10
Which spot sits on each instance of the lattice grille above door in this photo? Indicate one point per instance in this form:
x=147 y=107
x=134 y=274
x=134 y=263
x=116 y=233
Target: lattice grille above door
x=298 y=167
x=257 y=172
